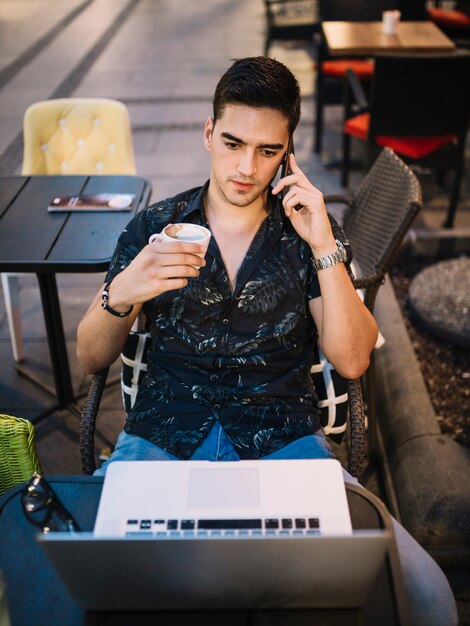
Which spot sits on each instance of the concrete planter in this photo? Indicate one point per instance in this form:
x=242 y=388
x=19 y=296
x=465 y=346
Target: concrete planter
x=429 y=472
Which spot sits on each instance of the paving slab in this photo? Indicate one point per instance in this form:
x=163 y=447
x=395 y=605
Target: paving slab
x=45 y=73
x=23 y=24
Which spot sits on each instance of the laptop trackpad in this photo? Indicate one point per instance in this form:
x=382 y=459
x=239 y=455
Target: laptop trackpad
x=223 y=488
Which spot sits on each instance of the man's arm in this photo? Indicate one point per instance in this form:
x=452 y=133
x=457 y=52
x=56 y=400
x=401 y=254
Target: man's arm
x=347 y=330
x=159 y=267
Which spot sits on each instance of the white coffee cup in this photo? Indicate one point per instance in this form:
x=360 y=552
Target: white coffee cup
x=184 y=232
x=390 y=21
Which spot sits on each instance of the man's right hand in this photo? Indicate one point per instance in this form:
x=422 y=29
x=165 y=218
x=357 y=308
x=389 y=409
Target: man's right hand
x=161 y=266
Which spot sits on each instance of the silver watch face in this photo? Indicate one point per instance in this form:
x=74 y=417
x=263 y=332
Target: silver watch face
x=339 y=256
x=342 y=250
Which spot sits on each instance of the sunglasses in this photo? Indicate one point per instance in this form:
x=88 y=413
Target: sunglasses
x=43 y=508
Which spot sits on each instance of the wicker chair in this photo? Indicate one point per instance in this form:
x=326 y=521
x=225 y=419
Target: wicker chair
x=341 y=397
x=377 y=219
x=18 y=455
x=379 y=215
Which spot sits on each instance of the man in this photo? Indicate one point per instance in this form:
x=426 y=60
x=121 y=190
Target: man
x=228 y=373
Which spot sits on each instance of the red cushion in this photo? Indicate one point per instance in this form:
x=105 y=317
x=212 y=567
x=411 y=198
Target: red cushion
x=364 y=68
x=448 y=17
x=358 y=126
x=413 y=147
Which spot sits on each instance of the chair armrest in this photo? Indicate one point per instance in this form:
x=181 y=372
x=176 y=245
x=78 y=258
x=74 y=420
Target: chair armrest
x=88 y=420
x=357 y=429
x=338 y=198
x=355 y=88
x=369 y=279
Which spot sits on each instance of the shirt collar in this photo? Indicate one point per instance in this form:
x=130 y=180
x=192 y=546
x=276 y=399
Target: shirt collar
x=197 y=205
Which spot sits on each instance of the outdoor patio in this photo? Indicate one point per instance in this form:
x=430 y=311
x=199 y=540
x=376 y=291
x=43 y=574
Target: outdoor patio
x=162 y=59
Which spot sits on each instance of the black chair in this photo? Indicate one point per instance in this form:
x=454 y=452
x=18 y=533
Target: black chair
x=330 y=71
x=290 y=20
x=377 y=218
x=419 y=106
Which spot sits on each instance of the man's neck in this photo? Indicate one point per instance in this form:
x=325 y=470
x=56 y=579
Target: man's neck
x=235 y=219
x=233 y=228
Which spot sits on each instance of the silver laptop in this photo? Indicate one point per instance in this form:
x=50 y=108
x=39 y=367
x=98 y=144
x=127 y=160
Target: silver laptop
x=238 y=498
x=232 y=535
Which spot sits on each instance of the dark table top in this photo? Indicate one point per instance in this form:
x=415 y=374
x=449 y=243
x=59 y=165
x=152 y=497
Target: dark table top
x=37 y=595
x=34 y=240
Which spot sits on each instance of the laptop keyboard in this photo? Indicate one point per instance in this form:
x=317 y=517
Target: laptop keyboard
x=217 y=528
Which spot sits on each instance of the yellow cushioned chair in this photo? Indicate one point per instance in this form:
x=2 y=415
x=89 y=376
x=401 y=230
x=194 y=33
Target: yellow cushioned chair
x=69 y=136
x=78 y=136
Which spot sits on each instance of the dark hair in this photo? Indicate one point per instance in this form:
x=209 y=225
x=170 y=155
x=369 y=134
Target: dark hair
x=259 y=82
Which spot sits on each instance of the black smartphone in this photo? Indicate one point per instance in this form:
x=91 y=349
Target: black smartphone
x=285 y=166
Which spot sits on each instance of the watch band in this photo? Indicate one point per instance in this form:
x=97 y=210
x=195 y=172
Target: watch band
x=339 y=256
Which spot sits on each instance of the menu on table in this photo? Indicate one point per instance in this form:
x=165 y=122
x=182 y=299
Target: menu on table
x=93 y=202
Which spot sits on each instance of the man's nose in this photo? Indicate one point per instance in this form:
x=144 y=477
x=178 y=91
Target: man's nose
x=247 y=165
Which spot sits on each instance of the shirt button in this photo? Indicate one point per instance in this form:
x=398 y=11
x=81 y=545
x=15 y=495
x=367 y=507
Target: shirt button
x=225 y=321
x=214 y=378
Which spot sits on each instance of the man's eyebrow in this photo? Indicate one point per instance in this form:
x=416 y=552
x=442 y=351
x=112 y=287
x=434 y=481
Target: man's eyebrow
x=270 y=146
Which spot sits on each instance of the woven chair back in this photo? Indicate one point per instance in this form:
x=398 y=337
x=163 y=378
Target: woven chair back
x=383 y=209
x=19 y=459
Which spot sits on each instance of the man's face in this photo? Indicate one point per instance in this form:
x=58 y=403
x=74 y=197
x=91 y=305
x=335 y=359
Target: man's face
x=246 y=146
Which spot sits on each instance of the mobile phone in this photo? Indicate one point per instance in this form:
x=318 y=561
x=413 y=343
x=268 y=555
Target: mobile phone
x=285 y=165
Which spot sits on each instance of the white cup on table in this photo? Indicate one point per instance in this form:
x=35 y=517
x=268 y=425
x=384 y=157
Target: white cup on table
x=390 y=21
x=184 y=232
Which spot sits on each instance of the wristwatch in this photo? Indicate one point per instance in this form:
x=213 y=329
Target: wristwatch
x=339 y=256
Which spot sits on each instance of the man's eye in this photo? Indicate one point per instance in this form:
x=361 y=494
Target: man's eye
x=269 y=153
x=231 y=145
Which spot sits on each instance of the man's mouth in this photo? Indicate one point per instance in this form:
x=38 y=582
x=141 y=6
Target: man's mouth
x=242 y=186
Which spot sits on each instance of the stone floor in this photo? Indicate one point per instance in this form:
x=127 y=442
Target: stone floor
x=162 y=59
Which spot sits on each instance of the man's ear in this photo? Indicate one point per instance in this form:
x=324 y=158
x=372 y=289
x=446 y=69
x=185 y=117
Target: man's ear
x=208 y=130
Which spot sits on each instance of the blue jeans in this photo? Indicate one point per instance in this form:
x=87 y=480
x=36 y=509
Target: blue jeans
x=215 y=447
x=429 y=595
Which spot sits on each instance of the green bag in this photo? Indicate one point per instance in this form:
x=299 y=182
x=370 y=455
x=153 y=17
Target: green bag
x=18 y=457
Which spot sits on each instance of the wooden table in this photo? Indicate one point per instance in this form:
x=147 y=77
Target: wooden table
x=35 y=241
x=367 y=38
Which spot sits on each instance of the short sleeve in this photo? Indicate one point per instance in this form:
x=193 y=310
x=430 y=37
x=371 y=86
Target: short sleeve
x=131 y=241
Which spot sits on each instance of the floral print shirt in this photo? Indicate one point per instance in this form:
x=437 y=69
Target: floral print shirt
x=242 y=357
